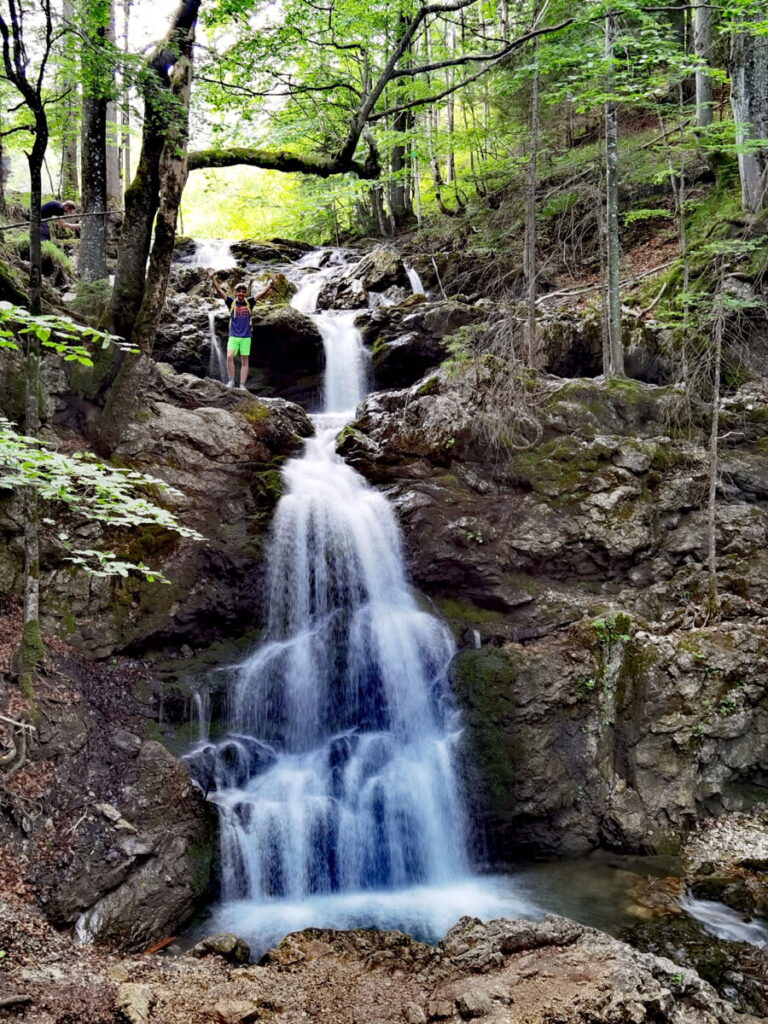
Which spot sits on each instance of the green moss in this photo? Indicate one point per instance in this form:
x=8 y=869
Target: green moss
x=87 y=380
x=559 y=467
x=466 y=611
x=29 y=654
x=200 y=859
x=484 y=681
x=255 y=411
x=429 y=387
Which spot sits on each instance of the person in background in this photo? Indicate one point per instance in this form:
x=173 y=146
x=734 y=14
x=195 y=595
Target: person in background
x=239 y=343
x=56 y=209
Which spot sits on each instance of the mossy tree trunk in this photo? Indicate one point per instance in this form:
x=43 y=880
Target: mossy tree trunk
x=749 y=101
x=97 y=89
x=615 y=366
x=142 y=198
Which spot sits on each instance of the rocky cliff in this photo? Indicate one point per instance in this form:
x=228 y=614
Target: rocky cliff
x=603 y=703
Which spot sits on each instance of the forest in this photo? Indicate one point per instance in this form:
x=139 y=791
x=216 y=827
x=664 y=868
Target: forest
x=384 y=511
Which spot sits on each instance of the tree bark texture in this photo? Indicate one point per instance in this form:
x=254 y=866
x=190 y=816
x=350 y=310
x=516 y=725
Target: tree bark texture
x=70 y=175
x=114 y=190
x=749 y=101
x=92 y=259
x=717 y=355
x=530 y=215
x=702 y=47
x=142 y=197
x=615 y=367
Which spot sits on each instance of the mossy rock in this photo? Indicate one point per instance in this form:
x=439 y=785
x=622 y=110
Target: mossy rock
x=484 y=683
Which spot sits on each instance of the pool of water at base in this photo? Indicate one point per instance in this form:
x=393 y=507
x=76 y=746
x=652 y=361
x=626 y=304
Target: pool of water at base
x=603 y=891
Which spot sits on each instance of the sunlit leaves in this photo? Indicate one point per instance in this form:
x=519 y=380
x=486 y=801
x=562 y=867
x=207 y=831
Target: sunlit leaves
x=81 y=485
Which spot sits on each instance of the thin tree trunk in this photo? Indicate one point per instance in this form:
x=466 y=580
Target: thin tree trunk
x=126 y=104
x=92 y=257
x=530 y=211
x=114 y=191
x=70 y=178
x=615 y=366
x=702 y=45
x=717 y=337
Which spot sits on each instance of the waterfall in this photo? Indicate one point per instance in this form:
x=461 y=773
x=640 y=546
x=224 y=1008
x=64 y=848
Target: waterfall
x=414 y=280
x=336 y=786
x=217 y=360
x=213 y=252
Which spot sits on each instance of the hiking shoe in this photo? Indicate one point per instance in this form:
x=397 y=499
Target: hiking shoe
x=242 y=387
x=231 y=382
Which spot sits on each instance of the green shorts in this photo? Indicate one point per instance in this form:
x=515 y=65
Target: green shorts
x=239 y=346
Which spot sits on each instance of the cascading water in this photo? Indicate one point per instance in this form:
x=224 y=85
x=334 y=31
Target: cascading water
x=415 y=281
x=217 y=361
x=212 y=252
x=336 y=786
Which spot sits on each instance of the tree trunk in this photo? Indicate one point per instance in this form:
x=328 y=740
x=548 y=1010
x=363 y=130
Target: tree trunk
x=749 y=100
x=400 y=203
x=717 y=354
x=530 y=212
x=173 y=177
x=70 y=177
x=615 y=367
x=702 y=45
x=92 y=260
x=125 y=116
x=114 y=190
x=142 y=197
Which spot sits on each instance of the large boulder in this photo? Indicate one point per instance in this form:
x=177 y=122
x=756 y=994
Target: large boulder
x=410 y=338
x=378 y=272
x=221 y=450
x=287 y=357
x=136 y=864
x=251 y=252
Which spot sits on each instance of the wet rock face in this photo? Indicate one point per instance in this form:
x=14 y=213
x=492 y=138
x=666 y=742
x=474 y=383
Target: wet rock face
x=222 y=450
x=286 y=356
x=603 y=707
x=378 y=272
x=139 y=877
x=409 y=339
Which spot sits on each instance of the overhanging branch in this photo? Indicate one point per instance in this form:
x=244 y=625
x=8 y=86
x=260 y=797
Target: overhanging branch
x=283 y=160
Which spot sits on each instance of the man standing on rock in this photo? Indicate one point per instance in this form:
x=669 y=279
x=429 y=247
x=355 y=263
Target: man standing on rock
x=240 y=308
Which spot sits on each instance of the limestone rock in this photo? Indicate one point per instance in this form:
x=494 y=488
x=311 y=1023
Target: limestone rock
x=128 y=896
x=472 y=1005
x=134 y=1002
x=287 y=357
x=379 y=270
x=408 y=339
x=228 y=946
x=237 y=1011
x=222 y=451
x=523 y=550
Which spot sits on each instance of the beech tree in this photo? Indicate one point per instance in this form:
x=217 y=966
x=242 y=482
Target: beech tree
x=749 y=100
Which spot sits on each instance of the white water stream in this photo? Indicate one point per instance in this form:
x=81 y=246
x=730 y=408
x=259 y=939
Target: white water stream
x=215 y=253
x=336 y=786
x=217 y=360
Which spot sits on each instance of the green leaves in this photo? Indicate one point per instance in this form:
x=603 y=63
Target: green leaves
x=53 y=331
x=91 y=490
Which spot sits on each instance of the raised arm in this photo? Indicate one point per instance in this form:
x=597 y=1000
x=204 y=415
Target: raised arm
x=212 y=277
x=265 y=291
